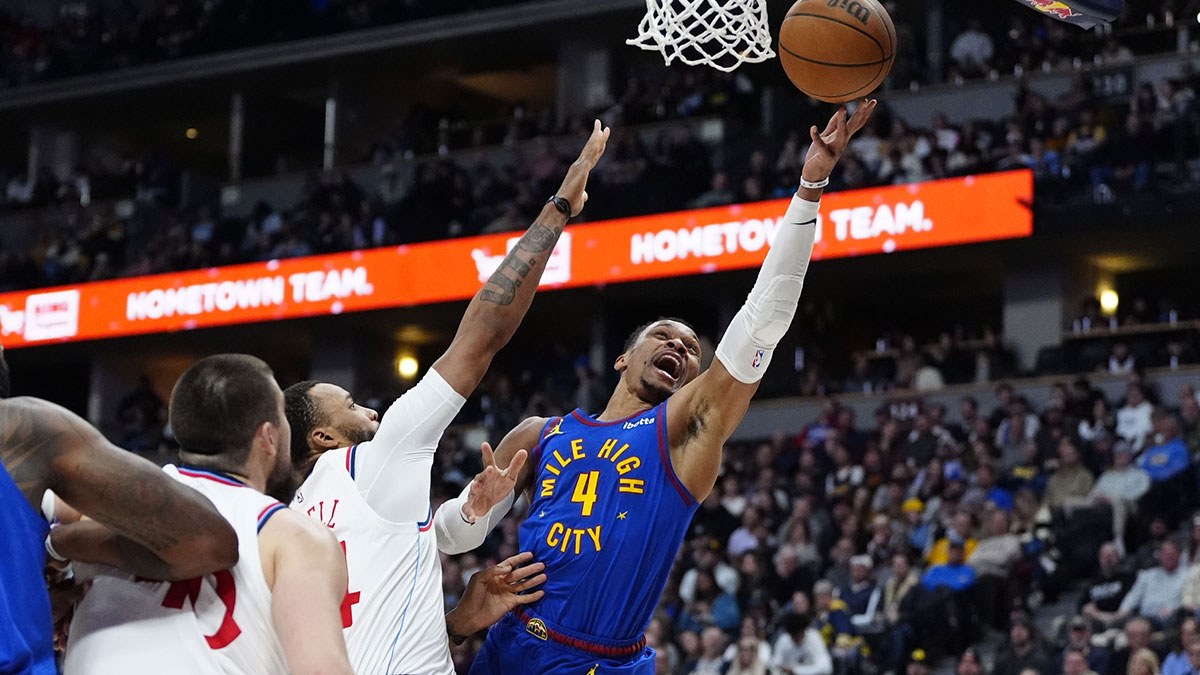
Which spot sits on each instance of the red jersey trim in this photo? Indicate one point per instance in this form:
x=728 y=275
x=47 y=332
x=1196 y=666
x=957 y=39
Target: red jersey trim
x=663 y=450
x=266 y=514
x=578 y=414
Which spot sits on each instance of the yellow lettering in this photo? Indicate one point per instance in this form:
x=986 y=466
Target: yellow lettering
x=566 y=539
x=595 y=536
x=561 y=462
x=628 y=465
x=634 y=485
x=606 y=449
x=552 y=469
x=576 y=449
x=578 y=536
x=548 y=487
x=620 y=452
x=550 y=538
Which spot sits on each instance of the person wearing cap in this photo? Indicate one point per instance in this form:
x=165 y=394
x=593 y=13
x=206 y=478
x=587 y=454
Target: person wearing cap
x=1079 y=639
x=1023 y=650
x=920 y=530
x=918 y=663
x=1167 y=463
x=960 y=532
x=1102 y=598
x=860 y=593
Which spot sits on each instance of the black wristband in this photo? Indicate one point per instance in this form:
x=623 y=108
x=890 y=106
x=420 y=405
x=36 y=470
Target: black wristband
x=560 y=203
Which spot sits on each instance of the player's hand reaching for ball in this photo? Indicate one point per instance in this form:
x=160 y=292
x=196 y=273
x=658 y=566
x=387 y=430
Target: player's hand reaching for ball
x=494 y=592
x=827 y=146
x=492 y=484
x=573 y=186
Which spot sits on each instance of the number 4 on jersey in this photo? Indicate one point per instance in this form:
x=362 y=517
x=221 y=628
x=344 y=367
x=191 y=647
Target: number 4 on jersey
x=351 y=599
x=585 y=490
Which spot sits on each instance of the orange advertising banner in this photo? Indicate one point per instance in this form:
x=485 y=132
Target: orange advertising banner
x=860 y=222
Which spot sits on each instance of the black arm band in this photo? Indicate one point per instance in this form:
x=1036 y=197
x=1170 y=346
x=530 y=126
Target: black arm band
x=561 y=204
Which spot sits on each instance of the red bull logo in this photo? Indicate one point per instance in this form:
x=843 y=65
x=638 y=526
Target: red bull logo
x=1054 y=8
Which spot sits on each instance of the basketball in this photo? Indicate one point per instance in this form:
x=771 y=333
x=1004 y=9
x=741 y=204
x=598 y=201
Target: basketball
x=837 y=50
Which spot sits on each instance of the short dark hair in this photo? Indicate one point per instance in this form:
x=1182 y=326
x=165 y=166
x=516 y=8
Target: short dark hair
x=795 y=622
x=219 y=403
x=303 y=415
x=637 y=332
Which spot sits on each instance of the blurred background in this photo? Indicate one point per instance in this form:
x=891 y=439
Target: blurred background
x=947 y=437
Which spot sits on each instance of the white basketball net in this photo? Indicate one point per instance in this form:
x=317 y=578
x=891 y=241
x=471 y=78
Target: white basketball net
x=718 y=33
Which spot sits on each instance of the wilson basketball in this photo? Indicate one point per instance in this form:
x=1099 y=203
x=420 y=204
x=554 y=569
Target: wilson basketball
x=837 y=50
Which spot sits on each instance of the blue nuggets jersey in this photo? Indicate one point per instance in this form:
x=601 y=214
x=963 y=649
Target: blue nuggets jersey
x=607 y=519
x=26 y=645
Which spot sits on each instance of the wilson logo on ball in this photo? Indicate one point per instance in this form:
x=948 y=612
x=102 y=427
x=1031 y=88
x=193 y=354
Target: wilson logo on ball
x=854 y=9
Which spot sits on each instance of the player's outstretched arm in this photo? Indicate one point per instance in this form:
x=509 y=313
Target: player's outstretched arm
x=498 y=308
x=705 y=413
x=154 y=517
x=462 y=523
x=306 y=571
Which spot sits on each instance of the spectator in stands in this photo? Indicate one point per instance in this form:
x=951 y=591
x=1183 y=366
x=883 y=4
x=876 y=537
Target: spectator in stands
x=1179 y=661
x=1101 y=600
x=1079 y=639
x=970 y=663
x=1071 y=480
x=1169 y=457
x=799 y=649
x=860 y=593
x=1137 y=637
x=993 y=561
x=1134 y=419
x=1158 y=591
x=1023 y=650
x=748 y=660
x=898 y=604
x=1143 y=662
x=712 y=655
x=707 y=560
x=920 y=529
x=972 y=52
x=1074 y=662
x=1120 y=360
x=958 y=533
x=1119 y=488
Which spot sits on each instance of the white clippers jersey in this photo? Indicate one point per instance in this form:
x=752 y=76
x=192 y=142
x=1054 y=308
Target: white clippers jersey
x=393 y=612
x=218 y=625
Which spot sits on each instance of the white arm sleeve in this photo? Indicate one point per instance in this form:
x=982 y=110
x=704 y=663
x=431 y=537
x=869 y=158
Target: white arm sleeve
x=392 y=469
x=760 y=324
x=455 y=535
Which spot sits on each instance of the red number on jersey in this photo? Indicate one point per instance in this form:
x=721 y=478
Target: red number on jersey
x=351 y=599
x=189 y=589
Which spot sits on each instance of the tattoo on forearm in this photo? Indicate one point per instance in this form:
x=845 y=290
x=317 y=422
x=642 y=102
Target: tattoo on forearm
x=34 y=444
x=27 y=450
x=514 y=270
x=539 y=238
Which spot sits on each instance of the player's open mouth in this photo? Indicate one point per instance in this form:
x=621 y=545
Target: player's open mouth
x=669 y=364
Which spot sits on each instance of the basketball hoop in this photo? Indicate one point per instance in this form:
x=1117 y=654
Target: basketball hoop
x=719 y=33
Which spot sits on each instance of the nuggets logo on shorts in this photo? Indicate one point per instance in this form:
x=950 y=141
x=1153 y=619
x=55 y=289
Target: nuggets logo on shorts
x=537 y=629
